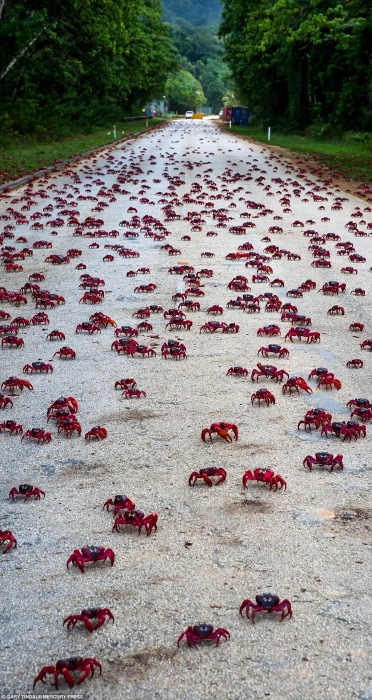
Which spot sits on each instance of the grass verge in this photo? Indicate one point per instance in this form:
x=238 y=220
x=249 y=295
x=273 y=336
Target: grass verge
x=19 y=157
x=346 y=158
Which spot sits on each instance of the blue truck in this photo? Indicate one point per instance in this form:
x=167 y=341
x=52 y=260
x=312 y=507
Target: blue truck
x=240 y=116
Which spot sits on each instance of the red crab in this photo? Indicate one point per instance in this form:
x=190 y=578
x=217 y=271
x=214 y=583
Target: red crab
x=6 y=328
x=263 y=395
x=133 y=394
x=5 y=401
x=12 y=426
x=355 y=364
x=178 y=323
x=65 y=667
x=90 y=554
x=173 y=349
x=351 y=429
x=38 y=434
x=273 y=349
x=91 y=297
x=14 y=383
x=237 y=371
x=119 y=503
x=324 y=459
x=315 y=418
x=87 y=326
x=101 y=319
x=56 y=335
x=270 y=330
x=329 y=381
x=359 y=292
x=190 y=305
x=268 y=371
x=37 y=367
x=265 y=476
x=319 y=372
x=125 y=384
x=67 y=424
x=124 y=345
x=142 y=350
x=296 y=383
x=97 y=432
x=311 y=336
x=145 y=288
x=359 y=403
x=277 y=283
x=321 y=262
x=349 y=270
x=63 y=402
x=144 y=327
x=40 y=319
x=66 y=353
x=222 y=430
x=98 y=614
x=333 y=288
x=203 y=633
x=194 y=291
x=295 y=293
x=27 y=491
x=260 y=278
x=127 y=331
x=215 y=309
x=367 y=344
x=266 y=602
x=12 y=341
x=137 y=519
x=336 y=311
x=7 y=538
x=21 y=322
x=230 y=328
x=334 y=428
x=211 y=327
x=206 y=473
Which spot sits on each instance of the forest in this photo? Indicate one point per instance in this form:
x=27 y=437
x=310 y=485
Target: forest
x=79 y=62
x=202 y=76
x=302 y=63
x=298 y=64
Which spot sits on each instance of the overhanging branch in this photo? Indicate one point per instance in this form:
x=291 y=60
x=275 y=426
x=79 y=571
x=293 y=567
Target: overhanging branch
x=21 y=53
x=2 y=5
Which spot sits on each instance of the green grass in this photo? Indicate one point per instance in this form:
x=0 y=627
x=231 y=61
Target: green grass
x=20 y=156
x=346 y=157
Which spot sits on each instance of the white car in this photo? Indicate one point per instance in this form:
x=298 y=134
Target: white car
x=189 y=114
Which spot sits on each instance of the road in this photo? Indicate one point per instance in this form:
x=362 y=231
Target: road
x=214 y=547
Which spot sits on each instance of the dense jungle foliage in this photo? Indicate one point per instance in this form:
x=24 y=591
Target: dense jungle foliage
x=79 y=62
x=302 y=62
x=204 y=77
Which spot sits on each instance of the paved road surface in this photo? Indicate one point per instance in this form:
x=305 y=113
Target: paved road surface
x=215 y=546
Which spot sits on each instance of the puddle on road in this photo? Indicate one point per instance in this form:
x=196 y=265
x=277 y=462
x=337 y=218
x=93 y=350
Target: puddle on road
x=321 y=400
x=250 y=507
x=351 y=515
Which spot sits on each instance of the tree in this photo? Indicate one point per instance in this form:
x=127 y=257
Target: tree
x=79 y=60
x=300 y=60
x=184 y=92
x=200 y=53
